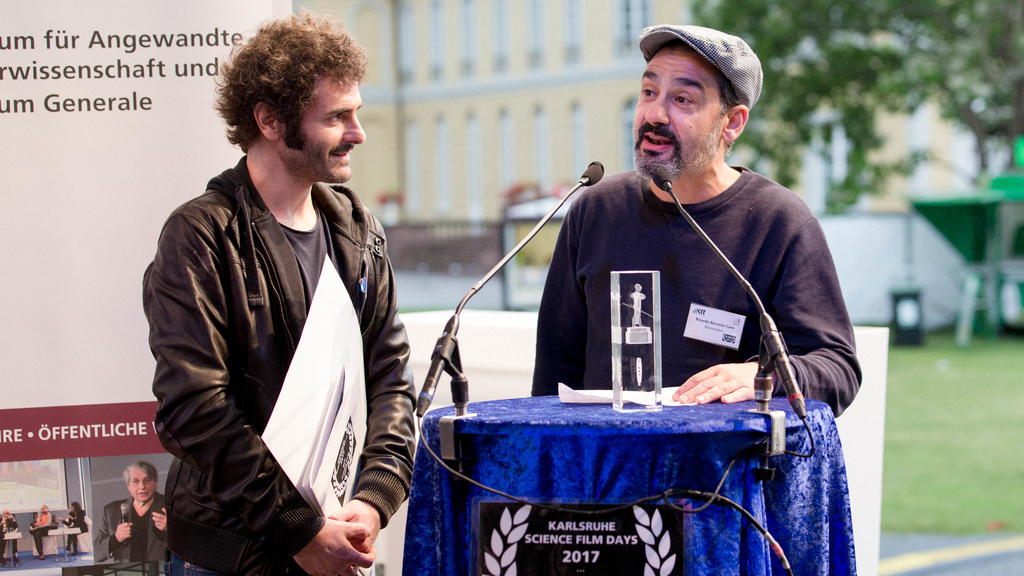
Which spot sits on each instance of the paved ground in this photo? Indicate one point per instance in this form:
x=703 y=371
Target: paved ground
x=943 y=555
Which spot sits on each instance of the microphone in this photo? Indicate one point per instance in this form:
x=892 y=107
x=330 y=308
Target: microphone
x=592 y=175
x=446 y=351
x=771 y=338
x=125 y=517
x=438 y=360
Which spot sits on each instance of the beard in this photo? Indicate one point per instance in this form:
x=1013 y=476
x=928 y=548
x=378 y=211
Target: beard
x=693 y=160
x=315 y=161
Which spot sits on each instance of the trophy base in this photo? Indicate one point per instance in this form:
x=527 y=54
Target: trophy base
x=637 y=401
x=629 y=408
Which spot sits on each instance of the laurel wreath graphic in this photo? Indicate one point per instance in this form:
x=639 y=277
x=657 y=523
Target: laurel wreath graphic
x=504 y=544
x=657 y=543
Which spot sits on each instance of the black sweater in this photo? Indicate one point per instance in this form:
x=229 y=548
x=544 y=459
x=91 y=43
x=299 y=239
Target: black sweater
x=769 y=234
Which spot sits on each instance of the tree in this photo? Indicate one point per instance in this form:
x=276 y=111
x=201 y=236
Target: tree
x=831 y=63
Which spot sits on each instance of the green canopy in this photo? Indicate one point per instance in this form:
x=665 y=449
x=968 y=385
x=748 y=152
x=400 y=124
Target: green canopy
x=967 y=221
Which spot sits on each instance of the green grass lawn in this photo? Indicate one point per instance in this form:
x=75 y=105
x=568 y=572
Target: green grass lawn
x=954 y=436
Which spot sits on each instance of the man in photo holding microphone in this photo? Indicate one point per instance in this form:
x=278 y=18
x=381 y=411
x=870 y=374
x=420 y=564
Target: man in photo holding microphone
x=135 y=529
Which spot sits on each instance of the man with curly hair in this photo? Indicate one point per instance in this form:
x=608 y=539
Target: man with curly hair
x=227 y=297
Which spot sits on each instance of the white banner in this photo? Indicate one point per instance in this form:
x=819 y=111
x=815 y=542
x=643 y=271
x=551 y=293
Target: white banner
x=106 y=125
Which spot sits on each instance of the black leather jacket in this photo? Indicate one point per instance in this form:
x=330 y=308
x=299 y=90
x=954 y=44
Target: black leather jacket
x=225 y=305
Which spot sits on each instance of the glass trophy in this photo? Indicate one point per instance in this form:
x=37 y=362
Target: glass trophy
x=636 y=340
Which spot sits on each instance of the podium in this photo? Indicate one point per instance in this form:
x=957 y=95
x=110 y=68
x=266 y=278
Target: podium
x=64 y=532
x=544 y=451
x=9 y=537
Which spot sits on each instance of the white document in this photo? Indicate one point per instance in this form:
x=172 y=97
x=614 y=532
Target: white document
x=569 y=396
x=319 y=420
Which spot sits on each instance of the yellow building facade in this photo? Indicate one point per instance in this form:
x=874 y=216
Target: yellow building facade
x=467 y=99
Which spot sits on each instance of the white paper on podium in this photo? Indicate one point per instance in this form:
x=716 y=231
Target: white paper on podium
x=319 y=420
x=569 y=396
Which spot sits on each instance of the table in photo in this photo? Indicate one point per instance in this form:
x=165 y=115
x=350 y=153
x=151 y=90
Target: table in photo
x=545 y=451
x=64 y=533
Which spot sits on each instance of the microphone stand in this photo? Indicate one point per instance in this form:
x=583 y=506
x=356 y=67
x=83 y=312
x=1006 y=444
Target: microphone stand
x=773 y=355
x=446 y=351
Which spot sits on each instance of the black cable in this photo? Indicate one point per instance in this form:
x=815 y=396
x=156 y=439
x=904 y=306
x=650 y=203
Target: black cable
x=709 y=497
x=809 y=436
x=695 y=494
x=462 y=476
x=718 y=488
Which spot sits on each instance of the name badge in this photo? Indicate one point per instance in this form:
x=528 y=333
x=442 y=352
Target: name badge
x=714 y=326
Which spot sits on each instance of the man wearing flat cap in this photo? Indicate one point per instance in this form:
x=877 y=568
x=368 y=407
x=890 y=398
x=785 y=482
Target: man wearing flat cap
x=695 y=99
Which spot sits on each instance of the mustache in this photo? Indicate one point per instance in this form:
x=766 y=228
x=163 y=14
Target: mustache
x=659 y=131
x=343 y=148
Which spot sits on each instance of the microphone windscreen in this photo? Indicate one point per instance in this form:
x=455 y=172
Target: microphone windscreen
x=662 y=179
x=594 y=173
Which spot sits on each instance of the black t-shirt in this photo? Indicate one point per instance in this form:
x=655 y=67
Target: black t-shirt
x=310 y=247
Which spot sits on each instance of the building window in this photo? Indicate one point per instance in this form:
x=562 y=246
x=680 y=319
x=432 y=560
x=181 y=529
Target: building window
x=506 y=151
x=578 y=154
x=814 y=174
x=469 y=47
x=840 y=151
x=474 y=178
x=502 y=34
x=413 y=184
x=541 y=150
x=443 y=183
x=406 y=43
x=573 y=31
x=918 y=139
x=963 y=159
x=436 y=40
x=628 y=136
x=537 y=33
x=634 y=16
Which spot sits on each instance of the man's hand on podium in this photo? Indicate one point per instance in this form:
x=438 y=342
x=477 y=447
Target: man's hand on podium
x=726 y=382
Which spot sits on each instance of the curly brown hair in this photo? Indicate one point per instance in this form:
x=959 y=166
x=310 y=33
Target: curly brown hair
x=279 y=66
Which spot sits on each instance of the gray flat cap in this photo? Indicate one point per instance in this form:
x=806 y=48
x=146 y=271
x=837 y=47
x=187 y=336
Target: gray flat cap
x=730 y=54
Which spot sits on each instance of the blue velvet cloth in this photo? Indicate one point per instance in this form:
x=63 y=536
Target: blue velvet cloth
x=542 y=450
